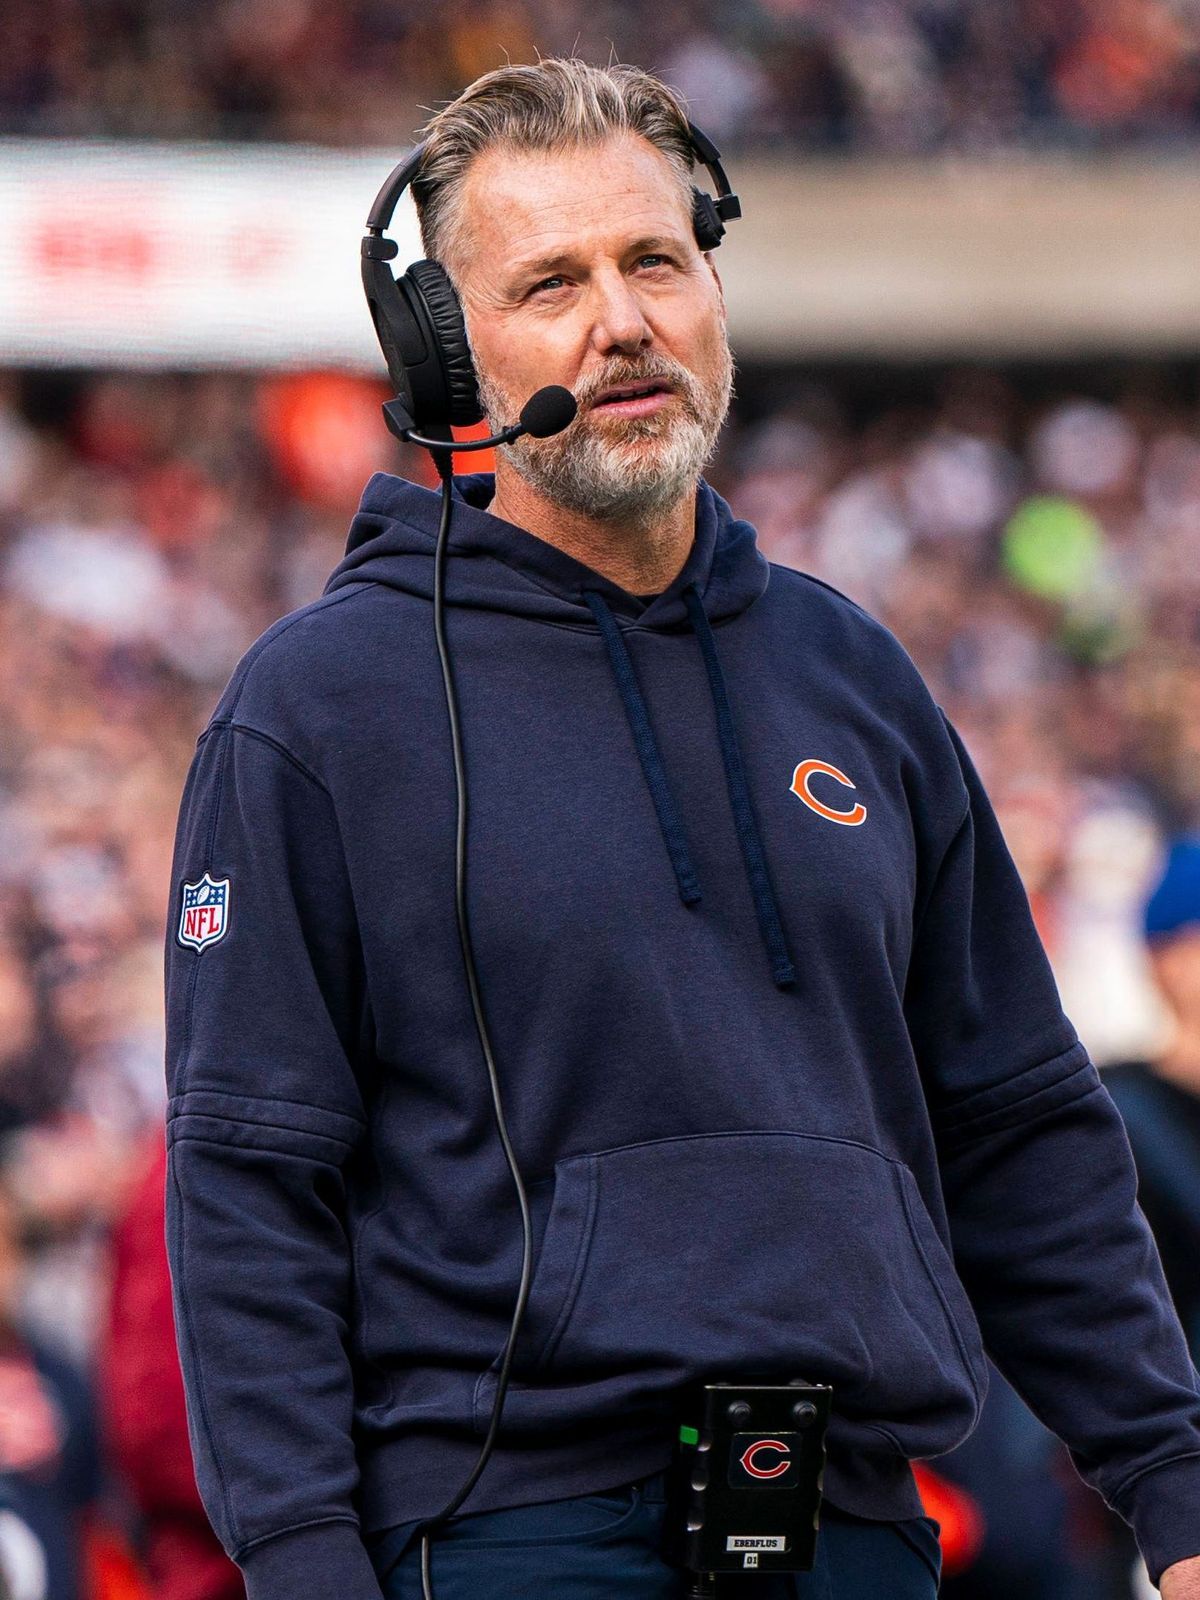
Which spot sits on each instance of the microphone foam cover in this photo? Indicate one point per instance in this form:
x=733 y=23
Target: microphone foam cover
x=548 y=411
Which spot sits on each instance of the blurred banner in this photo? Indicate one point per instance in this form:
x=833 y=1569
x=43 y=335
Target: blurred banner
x=187 y=255
x=218 y=255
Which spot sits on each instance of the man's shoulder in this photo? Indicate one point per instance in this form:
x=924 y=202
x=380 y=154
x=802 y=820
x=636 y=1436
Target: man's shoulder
x=302 y=674
x=806 y=589
x=872 y=671
x=843 y=622
x=304 y=642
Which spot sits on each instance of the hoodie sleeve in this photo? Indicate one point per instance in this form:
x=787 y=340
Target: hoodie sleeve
x=1040 y=1192
x=265 y=1001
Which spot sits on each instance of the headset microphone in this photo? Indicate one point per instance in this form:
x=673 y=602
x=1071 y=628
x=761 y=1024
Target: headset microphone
x=546 y=412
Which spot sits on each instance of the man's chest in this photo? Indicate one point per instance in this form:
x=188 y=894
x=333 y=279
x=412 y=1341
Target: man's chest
x=566 y=842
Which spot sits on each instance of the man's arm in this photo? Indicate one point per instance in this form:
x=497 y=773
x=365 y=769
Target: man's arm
x=1040 y=1192
x=263 y=1023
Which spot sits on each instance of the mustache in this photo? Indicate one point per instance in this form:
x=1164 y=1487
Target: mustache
x=650 y=368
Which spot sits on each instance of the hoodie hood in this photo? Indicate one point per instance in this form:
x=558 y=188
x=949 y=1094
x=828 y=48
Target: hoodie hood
x=501 y=567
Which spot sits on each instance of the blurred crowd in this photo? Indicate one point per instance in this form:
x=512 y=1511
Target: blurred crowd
x=883 y=76
x=1034 y=550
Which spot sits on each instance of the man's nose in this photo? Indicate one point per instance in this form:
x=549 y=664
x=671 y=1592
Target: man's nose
x=618 y=323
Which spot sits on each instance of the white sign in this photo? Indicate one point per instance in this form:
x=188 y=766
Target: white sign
x=175 y=255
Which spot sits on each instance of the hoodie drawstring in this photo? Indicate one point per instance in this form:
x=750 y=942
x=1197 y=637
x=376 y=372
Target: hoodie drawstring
x=647 y=748
x=766 y=908
x=770 y=923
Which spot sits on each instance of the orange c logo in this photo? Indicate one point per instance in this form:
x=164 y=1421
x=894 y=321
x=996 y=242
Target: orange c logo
x=849 y=819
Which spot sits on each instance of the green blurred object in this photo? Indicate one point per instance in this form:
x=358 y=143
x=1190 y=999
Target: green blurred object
x=1052 y=547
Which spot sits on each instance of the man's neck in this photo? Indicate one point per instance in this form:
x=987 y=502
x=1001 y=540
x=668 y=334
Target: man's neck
x=642 y=559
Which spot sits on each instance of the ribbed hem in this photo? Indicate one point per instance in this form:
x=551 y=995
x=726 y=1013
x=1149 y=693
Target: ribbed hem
x=1163 y=1509
x=327 y=1561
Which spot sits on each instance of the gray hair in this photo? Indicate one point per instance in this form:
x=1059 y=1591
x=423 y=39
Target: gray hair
x=557 y=103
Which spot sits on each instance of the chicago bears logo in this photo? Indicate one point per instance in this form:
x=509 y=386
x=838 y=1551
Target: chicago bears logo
x=799 y=786
x=204 y=914
x=757 y=1462
x=771 y=1462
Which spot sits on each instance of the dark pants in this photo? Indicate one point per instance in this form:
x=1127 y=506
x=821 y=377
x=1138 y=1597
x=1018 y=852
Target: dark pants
x=598 y=1546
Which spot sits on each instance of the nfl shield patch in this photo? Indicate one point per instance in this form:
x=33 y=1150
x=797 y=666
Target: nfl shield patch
x=204 y=915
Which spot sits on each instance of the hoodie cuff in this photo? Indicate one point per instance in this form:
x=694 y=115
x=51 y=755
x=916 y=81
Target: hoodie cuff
x=1163 y=1509
x=325 y=1562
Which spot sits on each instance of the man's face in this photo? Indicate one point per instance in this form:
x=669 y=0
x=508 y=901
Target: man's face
x=579 y=267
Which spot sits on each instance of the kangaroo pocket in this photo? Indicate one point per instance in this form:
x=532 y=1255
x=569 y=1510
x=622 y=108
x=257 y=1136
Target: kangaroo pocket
x=769 y=1255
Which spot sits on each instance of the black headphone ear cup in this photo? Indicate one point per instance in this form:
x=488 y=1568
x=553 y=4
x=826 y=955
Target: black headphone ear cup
x=432 y=282
x=706 y=220
x=394 y=325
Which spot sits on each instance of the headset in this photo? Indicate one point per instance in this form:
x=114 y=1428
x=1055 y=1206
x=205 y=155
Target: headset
x=419 y=323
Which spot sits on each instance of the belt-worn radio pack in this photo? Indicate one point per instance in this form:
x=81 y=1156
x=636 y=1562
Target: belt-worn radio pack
x=745 y=1490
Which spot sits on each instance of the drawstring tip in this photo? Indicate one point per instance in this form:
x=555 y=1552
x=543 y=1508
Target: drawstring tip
x=689 y=892
x=784 y=975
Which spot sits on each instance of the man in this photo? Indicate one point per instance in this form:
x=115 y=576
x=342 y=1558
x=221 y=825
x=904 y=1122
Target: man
x=774 y=1029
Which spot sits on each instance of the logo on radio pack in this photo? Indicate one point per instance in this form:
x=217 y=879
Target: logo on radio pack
x=759 y=1460
x=204 y=915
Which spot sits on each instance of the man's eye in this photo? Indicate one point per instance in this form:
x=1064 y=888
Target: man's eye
x=651 y=260
x=554 y=282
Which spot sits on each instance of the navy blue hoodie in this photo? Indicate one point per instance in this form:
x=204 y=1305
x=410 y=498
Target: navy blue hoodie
x=783 y=1061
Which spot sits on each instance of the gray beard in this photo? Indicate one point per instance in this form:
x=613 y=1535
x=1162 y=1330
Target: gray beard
x=616 y=479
